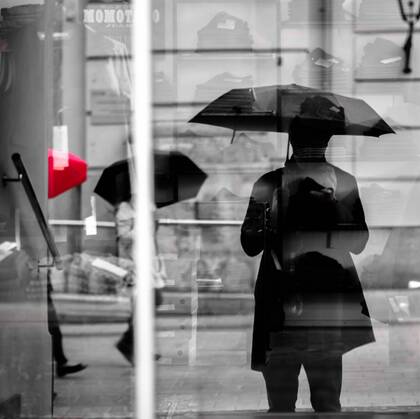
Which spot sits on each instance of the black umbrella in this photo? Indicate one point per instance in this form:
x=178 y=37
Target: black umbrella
x=176 y=178
x=114 y=184
x=272 y=108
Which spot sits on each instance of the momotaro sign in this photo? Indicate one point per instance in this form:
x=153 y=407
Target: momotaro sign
x=114 y=16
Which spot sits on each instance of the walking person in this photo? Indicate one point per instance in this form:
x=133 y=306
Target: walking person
x=306 y=219
x=62 y=367
x=125 y=216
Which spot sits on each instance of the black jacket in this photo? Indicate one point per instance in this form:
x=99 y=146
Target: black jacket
x=307 y=294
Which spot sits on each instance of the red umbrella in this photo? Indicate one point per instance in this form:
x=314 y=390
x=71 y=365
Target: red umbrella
x=65 y=171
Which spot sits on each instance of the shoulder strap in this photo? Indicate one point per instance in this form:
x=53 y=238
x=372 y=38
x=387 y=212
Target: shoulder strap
x=276 y=215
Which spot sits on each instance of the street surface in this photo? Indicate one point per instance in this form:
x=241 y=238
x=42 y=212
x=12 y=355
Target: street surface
x=105 y=389
x=206 y=369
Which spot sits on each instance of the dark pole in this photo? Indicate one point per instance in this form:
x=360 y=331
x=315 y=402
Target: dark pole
x=403 y=15
x=407 y=48
x=411 y=18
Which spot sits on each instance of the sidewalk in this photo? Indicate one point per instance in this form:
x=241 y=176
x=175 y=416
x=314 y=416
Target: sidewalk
x=106 y=388
x=381 y=375
x=207 y=370
x=79 y=308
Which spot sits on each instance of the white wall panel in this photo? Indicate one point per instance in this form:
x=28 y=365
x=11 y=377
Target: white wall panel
x=105 y=143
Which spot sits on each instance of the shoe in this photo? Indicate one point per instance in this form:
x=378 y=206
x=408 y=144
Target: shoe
x=65 y=369
x=126 y=351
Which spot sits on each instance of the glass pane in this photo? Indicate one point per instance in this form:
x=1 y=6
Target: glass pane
x=25 y=352
x=90 y=210
x=285 y=167
x=290 y=272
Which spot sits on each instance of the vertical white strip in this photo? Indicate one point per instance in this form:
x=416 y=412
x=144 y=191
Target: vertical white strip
x=17 y=229
x=192 y=353
x=144 y=320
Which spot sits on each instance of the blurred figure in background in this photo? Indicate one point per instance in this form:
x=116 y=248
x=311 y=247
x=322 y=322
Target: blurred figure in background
x=125 y=237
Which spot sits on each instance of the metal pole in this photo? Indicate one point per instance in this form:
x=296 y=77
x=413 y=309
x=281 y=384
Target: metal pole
x=407 y=48
x=143 y=253
x=411 y=18
x=401 y=6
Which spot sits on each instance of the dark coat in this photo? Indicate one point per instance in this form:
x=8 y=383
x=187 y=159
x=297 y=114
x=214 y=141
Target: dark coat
x=307 y=294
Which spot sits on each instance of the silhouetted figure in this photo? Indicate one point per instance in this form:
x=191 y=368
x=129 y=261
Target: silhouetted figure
x=307 y=218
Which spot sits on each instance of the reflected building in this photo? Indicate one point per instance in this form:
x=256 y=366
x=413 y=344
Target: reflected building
x=66 y=82
x=220 y=84
x=163 y=90
x=374 y=13
x=225 y=31
x=317 y=11
x=324 y=71
x=381 y=58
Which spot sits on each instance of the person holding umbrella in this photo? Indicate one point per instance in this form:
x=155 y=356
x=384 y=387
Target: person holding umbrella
x=114 y=186
x=124 y=218
x=176 y=178
x=306 y=219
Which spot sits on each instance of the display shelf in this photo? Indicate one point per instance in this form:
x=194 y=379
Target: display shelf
x=107 y=57
x=387 y=80
x=245 y=51
x=381 y=30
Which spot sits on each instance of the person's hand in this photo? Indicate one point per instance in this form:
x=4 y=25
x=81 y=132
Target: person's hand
x=258 y=217
x=293 y=306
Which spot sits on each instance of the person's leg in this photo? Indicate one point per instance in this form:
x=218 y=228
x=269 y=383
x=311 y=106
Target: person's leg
x=128 y=336
x=55 y=332
x=62 y=366
x=158 y=297
x=325 y=378
x=126 y=343
x=281 y=377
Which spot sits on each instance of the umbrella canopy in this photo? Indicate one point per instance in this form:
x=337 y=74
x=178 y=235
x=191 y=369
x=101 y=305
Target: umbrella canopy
x=272 y=108
x=114 y=184
x=176 y=178
x=65 y=171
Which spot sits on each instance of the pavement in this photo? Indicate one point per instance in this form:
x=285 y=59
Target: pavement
x=204 y=366
x=399 y=305
x=105 y=389
x=204 y=372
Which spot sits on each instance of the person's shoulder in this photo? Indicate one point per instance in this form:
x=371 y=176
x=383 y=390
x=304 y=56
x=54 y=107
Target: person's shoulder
x=270 y=178
x=345 y=179
x=342 y=173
